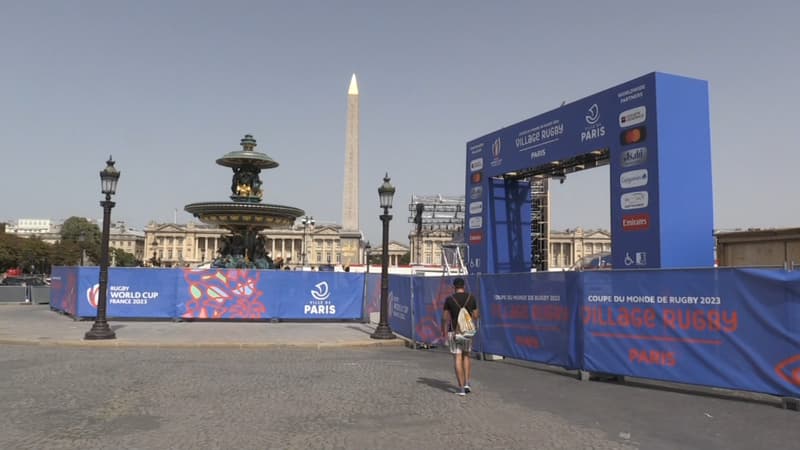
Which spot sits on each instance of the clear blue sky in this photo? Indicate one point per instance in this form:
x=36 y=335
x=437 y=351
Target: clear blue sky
x=169 y=86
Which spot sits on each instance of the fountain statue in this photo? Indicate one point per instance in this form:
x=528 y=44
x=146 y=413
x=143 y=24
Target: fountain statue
x=245 y=216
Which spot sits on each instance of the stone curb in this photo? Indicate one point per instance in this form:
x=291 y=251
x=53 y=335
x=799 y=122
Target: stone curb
x=236 y=345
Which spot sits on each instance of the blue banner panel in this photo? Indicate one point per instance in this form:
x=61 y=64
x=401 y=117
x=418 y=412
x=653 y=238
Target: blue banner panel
x=730 y=328
x=88 y=290
x=430 y=294
x=222 y=294
x=316 y=295
x=400 y=305
x=531 y=316
x=64 y=289
x=372 y=300
x=141 y=293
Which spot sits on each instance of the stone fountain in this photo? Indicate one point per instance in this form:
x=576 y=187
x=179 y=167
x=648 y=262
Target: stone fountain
x=245 y=216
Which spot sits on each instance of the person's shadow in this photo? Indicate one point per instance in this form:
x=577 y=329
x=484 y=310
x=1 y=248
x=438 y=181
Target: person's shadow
x=438 y=384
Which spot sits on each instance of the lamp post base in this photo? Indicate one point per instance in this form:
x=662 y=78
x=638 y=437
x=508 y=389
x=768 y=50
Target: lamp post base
x=383 y=332
x=100 y=330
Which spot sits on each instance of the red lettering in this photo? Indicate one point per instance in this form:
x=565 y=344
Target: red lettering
x=713 y=321
x=700 y=320
x=550 y=313
x=527 y=341
x=513 y=312
x=669 y=318
x=730 y=321
x=652 y=357
x=650 y=318
x=623 y=319
x=610 y=317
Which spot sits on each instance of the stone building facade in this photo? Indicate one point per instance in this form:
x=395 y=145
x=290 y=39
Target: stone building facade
x=192 y=244
x=759 y=247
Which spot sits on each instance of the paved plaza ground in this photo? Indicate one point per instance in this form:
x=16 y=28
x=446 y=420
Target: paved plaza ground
x=345 y=396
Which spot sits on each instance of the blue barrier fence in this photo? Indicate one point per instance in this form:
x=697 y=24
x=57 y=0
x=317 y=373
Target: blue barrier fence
x=210 y=294
x=731 y=328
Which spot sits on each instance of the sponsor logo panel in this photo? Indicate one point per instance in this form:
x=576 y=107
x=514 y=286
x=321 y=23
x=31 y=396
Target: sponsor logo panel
x=475 y=222
x=633 y=135
x=476 y=207
x=636 y=222
x=476 y=177
x=475 y=237
x=633 y=178
x=632 y=117
x=633 y=157
x=634 y=200
x=476 y=192
x=476 y=165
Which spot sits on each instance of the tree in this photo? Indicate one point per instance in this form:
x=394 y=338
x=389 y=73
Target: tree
x=124 y=259
x=65 y=253
x=34 y=256
x=375 y=257
x=405 y=259
x=84 y=233
x=10 y=251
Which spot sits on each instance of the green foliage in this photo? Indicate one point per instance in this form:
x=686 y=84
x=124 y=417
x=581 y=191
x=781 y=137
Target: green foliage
x=65 y=253
x=31 y=255
x=35 y=255
x=405 y=259
x=374 y=257
x=124 y=259
x=84 y=234
x=10 y=251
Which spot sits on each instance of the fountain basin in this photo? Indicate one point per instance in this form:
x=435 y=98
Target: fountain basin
x=234 y=215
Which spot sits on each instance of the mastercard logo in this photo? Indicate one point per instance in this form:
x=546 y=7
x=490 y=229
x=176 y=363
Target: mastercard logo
x=476 y=177
x=633 y=136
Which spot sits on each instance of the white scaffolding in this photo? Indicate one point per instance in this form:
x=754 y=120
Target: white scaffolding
x=453 y=256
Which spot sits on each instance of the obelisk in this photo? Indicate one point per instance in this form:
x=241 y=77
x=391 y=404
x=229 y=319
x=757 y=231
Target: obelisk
x=350 y=235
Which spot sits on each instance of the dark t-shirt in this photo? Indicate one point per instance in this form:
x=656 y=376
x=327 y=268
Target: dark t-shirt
x=454 y=304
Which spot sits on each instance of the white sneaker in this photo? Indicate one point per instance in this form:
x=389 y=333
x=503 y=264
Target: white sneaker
x=461 y=392
x=467 y=389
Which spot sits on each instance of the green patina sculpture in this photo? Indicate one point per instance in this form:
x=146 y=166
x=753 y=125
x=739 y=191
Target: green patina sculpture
x=245 y=217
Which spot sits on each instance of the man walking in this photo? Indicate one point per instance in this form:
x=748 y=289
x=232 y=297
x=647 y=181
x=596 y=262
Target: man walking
x=460 y=345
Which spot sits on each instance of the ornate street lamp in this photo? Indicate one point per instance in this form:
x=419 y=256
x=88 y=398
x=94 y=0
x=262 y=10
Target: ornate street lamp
x=367 y=249
x=307 y=221
x=108 y=181
x=154 y=262
x=385 y=193
x=82 y=239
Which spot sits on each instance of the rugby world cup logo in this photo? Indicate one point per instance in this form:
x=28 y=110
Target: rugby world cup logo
x=321 y=292
x=496 y=148
x=91 y=295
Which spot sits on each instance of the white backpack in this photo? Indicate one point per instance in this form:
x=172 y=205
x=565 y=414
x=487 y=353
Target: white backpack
x=466 y=326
